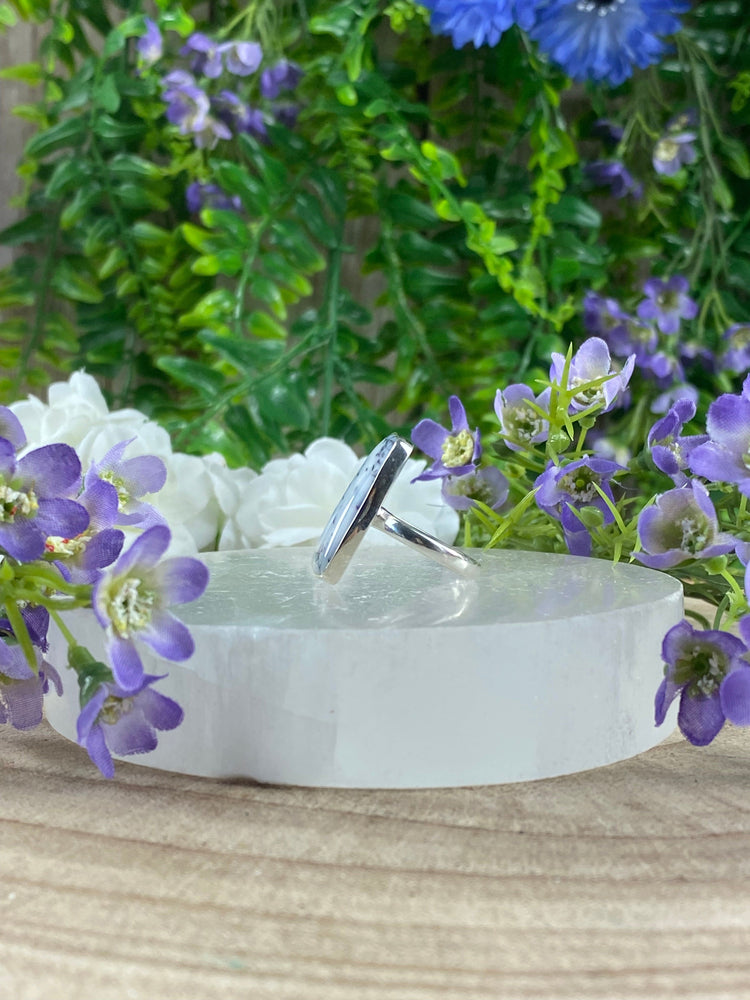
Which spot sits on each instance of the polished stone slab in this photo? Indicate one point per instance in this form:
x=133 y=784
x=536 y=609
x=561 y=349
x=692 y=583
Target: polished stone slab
x=405 y=676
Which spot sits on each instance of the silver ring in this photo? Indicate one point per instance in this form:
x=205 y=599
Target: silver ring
x=361 y=506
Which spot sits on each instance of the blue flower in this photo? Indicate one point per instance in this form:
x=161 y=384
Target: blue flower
x=669 y=449
x=614 y=175
x=478 y=21
x=707 y=669
x=131 y=601
x=563 y=490
x=150 y=45
x=455 y=451
x=602 y=40
x=124 y=721
x=487 y=485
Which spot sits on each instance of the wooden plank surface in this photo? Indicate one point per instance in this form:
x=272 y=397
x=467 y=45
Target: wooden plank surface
x=632 y=881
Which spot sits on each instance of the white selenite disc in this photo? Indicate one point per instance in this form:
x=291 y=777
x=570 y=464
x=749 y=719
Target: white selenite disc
x=403 y=676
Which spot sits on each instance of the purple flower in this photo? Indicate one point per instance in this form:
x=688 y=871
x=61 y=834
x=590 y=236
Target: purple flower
x=669 y=450
x=667 y=302
x=724 y=458
x=150 y=45
x=672 y=151
x=187 y=105
x=208 y=136
x=36 y=620
x=625 y=335
x=81 y=558
x=21 y=693
x=286 y=114
x=667 y=399
x=687 y=119
x=707 y=670
x=132 y=478
x=563 y=490
x=199 y=196
x=456 y=451
x=11 y=428
x=604 y=40
x=241 y=58
x=590 y=363
x=284 y=75
x=131 y=602
x=609 y=131
x=487 y=485
x=681 y=525
x=614 y=175
x=736 y=356
x=522 y=425
x=239 y=116
x=33 y=501
x=121 y=721
x=21 y=689
x=478 y=21
x=206 y=55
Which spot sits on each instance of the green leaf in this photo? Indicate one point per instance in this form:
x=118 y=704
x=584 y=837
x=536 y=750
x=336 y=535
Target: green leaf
x=149 y=234
x=109 y=128
x=338 y=22
x=737 y=157
x=262 y=325
x=115 y=259
x=113 y=43
x=131 y=166
x=69 y=132
x=106 y=95
x=235 y=179
x=70 y=171
x=285 y=403
x=74 y=282
x=81 y=202
x=8 y=17
x=228 y=222
x=218 y=304
x=573 y=211
x=310 y=212
x=35 y=228
x=30 y=73
x=267 y=291
x=185 y=371
x=227 y=262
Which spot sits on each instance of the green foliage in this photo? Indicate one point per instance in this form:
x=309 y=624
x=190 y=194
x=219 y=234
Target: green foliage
x=425 y=227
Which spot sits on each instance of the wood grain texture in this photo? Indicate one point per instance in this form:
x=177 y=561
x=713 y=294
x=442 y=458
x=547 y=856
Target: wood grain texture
x=632 y=881
x=18 y=45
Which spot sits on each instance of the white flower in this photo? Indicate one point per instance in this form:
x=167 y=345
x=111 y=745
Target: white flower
x=291 y=500
x=74 y=407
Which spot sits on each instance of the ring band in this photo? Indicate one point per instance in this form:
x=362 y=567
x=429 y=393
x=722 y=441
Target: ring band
x=427 y=544
x=361 y=507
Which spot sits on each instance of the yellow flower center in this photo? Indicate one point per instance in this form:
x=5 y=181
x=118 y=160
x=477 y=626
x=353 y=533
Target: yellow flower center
x=458 y=449
x=15 y=503
x=131 y=607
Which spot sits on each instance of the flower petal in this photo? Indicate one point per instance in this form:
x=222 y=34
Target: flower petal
x=734 y=694
x=52 y=470
x=168 y=637
x=429 y=437
x=162 y=712
x=180 y=579
x=96 y=747
x=700 y=719
x=130 y=734
x=126 y=663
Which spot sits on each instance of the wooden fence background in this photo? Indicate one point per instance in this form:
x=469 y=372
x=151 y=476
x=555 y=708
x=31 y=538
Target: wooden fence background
x=17 y=45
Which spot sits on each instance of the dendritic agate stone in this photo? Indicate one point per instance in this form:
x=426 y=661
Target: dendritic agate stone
x=403 y=676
